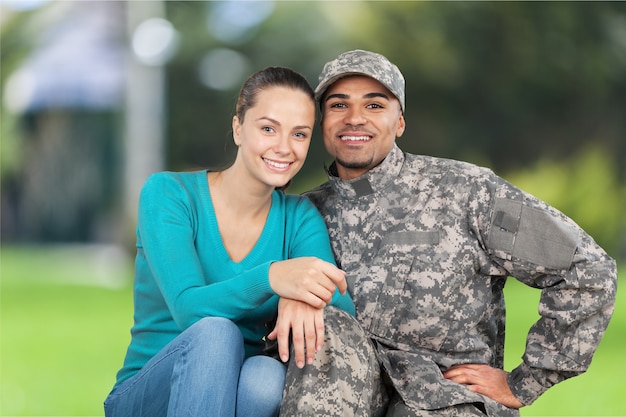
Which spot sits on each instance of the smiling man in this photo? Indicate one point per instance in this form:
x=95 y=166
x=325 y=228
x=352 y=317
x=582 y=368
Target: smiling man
x=427 y=245
x=362 y=119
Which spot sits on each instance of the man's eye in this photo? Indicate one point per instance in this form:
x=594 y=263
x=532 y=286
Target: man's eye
x=337 y=105
x=374 y=106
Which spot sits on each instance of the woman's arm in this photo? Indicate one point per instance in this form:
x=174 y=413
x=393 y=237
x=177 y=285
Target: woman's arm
x=167 y=228
x=304 y=322
x=310 y=238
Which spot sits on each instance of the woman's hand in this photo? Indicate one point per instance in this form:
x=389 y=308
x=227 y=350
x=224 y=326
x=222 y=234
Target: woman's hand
x=306 y=325
x=307 y=279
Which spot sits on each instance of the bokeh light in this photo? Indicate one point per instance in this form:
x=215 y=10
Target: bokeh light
x=223 y=69
x=234 y=21
x=155 y=41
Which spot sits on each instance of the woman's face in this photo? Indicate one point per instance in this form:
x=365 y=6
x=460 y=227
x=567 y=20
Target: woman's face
x=274 y=137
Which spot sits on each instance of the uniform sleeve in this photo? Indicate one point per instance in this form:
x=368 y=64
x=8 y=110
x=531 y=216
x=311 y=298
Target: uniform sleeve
x=541 y=247
x=311 y=239
x=167 y=224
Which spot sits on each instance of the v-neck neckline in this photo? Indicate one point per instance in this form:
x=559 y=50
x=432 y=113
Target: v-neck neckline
x=258 y=246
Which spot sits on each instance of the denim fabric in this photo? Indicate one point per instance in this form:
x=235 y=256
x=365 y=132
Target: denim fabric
x=202 y=372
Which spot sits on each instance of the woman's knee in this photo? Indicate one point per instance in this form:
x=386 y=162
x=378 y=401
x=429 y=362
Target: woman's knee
x=261 y=385
x=215 y=328
x=215 y=336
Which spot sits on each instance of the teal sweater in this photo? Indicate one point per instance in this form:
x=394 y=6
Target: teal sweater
x=183 y=272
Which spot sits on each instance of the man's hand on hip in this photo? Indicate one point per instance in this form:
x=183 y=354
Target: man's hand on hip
x=485 y=380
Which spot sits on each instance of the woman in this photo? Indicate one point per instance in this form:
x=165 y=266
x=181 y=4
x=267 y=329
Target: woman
x=215 y=253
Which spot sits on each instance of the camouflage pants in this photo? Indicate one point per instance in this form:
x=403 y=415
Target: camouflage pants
x=344 y=380
x=398 y=408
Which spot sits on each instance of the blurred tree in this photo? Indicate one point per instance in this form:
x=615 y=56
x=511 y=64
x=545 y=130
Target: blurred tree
x=503 y=82
x=496 y=83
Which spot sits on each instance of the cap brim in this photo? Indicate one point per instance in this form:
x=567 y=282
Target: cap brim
x=321 y=88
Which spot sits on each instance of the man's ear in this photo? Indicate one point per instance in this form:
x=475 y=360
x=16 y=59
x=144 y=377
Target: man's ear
x=401 y=126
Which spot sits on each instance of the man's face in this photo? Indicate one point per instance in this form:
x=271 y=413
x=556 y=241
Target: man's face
x=361 y=120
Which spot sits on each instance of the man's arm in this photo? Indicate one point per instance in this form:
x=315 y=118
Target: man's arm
x=541 y=247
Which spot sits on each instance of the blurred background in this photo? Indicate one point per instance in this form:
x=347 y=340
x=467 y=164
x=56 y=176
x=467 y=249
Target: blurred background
x=97 y=95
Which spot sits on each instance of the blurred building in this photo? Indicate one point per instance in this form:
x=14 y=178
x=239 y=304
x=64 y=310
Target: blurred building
x=68 y=93
x=88 y=98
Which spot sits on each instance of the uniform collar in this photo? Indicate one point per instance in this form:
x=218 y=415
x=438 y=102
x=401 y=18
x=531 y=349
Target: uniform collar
x=379 y=178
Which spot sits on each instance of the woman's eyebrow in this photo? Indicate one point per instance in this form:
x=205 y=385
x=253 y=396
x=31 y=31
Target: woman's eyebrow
x=269 y=119
x=276 y=122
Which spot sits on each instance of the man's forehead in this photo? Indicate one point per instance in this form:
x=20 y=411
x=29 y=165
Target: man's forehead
x=370 y=87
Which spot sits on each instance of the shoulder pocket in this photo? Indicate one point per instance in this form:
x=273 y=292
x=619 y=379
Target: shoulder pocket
x=532 y=235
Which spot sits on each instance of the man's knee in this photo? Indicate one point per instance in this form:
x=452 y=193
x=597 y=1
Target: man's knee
x=343 y=328
x=345 y=378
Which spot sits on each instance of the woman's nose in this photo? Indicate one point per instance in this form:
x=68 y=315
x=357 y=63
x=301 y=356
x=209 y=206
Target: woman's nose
x=282 y=145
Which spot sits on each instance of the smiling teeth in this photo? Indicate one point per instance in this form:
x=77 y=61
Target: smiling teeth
x=275 y=164
x=355 y=138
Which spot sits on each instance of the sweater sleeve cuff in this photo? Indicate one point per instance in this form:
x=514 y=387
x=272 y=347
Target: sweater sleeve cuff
x=524 y=385
x=258 y=286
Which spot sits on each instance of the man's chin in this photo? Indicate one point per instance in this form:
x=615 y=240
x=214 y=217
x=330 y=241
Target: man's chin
x=353 y=163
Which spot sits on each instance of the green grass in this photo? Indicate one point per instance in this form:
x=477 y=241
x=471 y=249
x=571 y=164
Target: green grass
x=65 y=317
x=63 y=338
x=599 y=391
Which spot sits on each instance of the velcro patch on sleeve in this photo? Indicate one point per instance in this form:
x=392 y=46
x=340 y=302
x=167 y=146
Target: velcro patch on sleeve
x=532 y=235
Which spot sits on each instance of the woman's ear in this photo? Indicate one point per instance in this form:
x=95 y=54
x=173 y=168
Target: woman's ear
x=236 y=131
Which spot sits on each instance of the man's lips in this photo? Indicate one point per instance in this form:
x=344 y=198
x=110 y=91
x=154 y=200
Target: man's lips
x=355 y=138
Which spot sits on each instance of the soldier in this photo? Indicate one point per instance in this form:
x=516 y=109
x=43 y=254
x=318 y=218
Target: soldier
x=427 y=245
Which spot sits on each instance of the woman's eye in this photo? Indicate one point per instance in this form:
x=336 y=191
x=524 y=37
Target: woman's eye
x=301 y=135
x=268 y=129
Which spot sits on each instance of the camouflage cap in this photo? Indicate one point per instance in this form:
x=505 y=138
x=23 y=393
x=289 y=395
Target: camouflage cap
x=360 y=62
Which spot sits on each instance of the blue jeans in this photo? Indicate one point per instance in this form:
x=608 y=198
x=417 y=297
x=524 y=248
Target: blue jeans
x=202 y=373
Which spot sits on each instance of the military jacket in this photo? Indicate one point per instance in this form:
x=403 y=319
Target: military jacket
x=427 y=245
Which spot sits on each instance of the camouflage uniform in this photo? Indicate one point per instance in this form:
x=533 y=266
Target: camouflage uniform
x=427 y=245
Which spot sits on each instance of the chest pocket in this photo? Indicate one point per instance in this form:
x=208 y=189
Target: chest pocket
x=415 y=298
x=411 y=238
